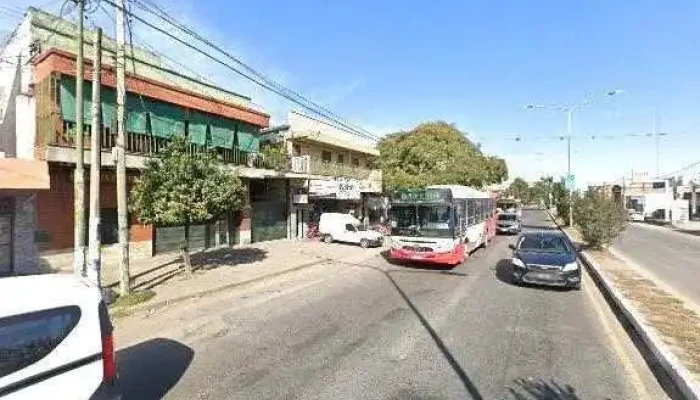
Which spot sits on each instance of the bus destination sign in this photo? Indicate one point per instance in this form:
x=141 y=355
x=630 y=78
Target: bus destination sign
x=422 y=195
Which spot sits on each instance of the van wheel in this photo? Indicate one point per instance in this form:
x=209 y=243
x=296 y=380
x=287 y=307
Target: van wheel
x=364 y=243
x=328 y=239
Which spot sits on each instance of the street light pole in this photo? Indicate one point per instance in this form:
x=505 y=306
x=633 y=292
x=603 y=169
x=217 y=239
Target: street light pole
x=569 y=117
x=569 y=128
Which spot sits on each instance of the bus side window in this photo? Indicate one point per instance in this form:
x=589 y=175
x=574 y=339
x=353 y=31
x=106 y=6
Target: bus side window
x=471 y=212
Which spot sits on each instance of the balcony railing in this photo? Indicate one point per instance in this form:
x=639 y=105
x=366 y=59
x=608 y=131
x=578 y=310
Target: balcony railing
x=146 y=145
x=305 y=165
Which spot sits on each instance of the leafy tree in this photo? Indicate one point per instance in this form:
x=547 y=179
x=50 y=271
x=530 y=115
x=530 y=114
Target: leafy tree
x=436 y=153
x=181 y=187
x=599 y=218
x=519 y=189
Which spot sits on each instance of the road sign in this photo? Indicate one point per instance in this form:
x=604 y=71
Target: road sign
x=570 y=182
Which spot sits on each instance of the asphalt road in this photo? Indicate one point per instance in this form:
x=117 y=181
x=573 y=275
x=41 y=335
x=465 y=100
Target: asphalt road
x=372 y=330
x=672 y=257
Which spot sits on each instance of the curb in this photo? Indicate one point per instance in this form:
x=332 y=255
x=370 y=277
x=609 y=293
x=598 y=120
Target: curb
x=164 y=303
x=667 y=361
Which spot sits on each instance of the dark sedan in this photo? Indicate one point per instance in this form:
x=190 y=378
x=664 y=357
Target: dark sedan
x=545 y=258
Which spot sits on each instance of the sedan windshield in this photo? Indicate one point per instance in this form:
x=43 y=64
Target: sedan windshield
x=507 y=217
x=430 y=220
x=543 y=244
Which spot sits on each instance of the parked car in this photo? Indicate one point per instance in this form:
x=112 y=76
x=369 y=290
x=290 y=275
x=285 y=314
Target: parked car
x=508 y=223
x=546 y=258
x=635 y=216
x=346 y=228
x=55 y=340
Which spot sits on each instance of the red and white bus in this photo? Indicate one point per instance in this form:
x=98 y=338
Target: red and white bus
x=441 y=224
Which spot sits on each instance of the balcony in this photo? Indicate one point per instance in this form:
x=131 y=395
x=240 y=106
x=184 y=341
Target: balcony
x=305 y=165
x=147 y=146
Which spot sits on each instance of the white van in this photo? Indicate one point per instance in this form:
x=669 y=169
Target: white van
x=346 y=228
x=55 y=340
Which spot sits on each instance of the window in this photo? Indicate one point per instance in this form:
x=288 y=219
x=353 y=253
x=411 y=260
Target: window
x=326 y=156
x=471 y=212
x=658 y=185
x=296 y=149
x=27 y=338
x=355 y=162
x=350 y=227
x=479 y=210
x=341 y=159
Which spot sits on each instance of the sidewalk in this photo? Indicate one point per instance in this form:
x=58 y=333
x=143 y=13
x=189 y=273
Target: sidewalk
x=225 y=268
x=666 y=322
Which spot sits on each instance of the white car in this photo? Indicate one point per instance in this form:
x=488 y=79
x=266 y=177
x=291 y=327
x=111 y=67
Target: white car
x=55 y=340
x=346 y=228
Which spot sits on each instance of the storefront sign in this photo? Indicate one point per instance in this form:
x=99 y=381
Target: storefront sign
x=339 y=188
x=300 y=199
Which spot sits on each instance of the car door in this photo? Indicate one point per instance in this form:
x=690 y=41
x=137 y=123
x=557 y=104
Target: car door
x=350 y=234
x=51 y=344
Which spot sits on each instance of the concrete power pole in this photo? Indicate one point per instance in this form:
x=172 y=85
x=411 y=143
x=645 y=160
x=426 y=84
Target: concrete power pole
x=122 y=222
x=79 y=174
x=94 y=256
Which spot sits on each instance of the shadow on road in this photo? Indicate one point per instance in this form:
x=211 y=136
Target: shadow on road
x=148 y=370
x=461 y=373
x=538 y=389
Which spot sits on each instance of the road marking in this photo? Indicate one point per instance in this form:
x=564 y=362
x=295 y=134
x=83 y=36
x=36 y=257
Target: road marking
x=613 y=334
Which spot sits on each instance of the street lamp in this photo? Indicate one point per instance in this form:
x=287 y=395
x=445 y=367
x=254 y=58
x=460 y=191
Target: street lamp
x=569 y=110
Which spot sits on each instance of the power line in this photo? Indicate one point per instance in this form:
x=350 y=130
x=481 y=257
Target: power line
x=258 y=78
x=167 y=18
x=162 y=14
x=594 y=137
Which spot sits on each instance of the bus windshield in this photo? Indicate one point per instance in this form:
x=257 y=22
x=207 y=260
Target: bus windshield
x=427 y=220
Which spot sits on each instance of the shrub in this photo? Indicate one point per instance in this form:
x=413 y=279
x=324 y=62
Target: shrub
x=599 y=219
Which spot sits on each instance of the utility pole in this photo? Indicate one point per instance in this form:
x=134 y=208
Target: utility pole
x=94 y=256
x=79 y=174
x=122 y=222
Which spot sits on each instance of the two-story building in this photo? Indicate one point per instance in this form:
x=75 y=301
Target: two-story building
x=341 y=169
x=38 y=102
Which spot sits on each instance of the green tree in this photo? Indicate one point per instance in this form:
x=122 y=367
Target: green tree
x=180 y=187
x=599 y=218
x=519 y=189
x=436 y=153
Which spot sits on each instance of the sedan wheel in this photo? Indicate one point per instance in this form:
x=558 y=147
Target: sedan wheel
x=364 y=243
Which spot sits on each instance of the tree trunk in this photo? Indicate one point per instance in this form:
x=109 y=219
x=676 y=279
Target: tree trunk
x=185 y=252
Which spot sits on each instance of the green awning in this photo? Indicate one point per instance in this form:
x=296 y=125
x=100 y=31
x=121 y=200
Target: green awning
x=248 y=139
x=109 y=108
x=222 y=131
x=197 y=128
x=136 y=114
x=68 y=102
x=166 y=120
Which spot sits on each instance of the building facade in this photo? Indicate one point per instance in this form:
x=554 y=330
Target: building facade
x=341 y=169
x=38 y=101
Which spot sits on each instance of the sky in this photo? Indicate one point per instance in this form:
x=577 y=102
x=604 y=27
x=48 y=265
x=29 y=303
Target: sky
x=390 y=65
